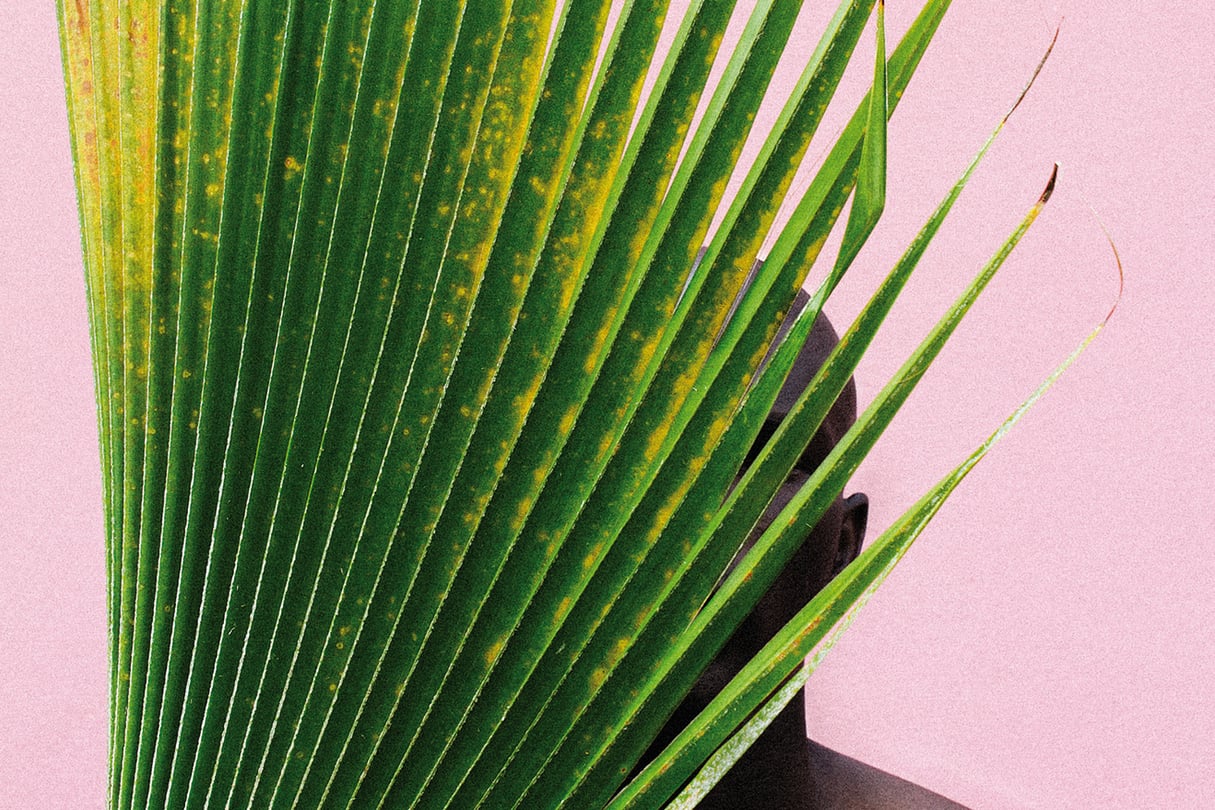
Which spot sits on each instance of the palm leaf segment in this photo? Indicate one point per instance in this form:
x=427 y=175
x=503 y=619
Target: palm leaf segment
x=415 y=418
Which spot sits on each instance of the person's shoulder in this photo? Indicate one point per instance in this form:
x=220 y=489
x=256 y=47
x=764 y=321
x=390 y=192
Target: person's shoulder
x=843 y=783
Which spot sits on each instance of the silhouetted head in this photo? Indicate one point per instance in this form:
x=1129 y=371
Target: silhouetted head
x=774 y=773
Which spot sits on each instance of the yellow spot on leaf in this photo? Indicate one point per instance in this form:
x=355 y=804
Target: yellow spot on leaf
x=590 y=559
x=292 y=166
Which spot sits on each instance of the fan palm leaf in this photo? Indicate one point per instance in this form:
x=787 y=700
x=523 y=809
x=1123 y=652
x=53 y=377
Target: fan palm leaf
x=423 y=385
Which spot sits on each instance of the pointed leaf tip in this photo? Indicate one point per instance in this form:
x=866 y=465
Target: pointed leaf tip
x=1050 y=186
x=1117 y=262
x=1041 y=64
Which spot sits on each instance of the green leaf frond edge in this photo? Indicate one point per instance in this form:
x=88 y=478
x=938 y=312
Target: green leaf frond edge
x=78 y=70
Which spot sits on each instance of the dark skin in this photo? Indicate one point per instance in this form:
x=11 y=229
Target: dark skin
x=783 y=770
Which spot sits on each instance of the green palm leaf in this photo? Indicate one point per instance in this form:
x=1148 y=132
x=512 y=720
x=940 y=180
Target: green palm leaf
x=419 y=412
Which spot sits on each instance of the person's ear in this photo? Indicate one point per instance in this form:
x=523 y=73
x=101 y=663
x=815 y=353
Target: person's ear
x=852 y=530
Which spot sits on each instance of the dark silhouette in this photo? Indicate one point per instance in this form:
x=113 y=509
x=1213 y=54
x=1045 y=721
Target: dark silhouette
x=783 y=769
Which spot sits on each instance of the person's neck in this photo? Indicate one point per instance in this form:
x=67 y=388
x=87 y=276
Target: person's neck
x=776 y=772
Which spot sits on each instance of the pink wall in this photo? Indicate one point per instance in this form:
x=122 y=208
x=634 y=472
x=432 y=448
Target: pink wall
x=52 y=581
x=1046 y=644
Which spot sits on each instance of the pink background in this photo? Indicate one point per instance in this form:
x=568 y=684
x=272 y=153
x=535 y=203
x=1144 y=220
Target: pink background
x=1047 y=644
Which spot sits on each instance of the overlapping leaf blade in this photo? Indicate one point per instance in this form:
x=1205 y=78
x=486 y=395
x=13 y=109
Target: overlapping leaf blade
x=763 y=562
x=823 y=622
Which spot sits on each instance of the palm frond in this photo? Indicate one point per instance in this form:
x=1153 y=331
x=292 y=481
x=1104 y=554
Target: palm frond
x=422 y=385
